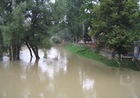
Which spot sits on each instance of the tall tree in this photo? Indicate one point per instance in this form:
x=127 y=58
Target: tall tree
x=72 y=18
x=58 y=15
x=37 y=14
x=23 y=21
x=86 y=15
x=114 y=20
x=13 y=31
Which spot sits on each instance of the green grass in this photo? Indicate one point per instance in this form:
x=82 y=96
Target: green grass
x=89 y=53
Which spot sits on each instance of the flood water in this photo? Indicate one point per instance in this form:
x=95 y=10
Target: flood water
x=65 y=75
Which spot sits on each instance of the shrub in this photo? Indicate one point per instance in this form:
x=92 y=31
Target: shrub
x=56 y=40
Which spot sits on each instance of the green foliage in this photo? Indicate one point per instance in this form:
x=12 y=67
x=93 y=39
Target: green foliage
x=46 y=43
x=86 y=10
x=116 y=20
x=120 y=37
x=64 y=18
x=11 y=30
x=24 y=21
x=72 y=16
x=6 y=33
x=58 y=11
x=2 y=48
x=57 y=17
x=64 y=34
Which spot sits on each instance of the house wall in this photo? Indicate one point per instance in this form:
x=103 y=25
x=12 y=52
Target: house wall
x=137 y=52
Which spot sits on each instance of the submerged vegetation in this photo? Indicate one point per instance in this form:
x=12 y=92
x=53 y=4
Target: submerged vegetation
x=89 y=53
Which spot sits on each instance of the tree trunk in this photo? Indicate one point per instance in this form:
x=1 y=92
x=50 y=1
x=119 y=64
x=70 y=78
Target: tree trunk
x=11 y=53
x=29 y=49
x=14 y=53
x=33 y=26
x=37 y=55
x=113 y=54
x=119 y=54
x=1 y=55
x=18 y=54
x=35 y=51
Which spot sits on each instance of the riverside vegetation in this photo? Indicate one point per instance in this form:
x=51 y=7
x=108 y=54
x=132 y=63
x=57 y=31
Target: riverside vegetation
x=89 y=53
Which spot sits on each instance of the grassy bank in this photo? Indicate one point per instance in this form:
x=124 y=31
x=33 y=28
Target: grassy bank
x=89 y=53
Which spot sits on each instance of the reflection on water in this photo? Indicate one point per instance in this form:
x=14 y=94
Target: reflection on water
x=88 y=85
x=54 y=63
x=128 y=81
x=65 y=75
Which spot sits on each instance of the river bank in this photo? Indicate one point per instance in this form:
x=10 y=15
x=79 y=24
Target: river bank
x=89 y=53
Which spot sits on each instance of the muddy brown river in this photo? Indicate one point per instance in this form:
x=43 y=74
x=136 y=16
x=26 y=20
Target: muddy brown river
x=65 y=75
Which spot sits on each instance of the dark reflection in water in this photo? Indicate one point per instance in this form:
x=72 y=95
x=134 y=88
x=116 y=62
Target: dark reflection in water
x=65 y=75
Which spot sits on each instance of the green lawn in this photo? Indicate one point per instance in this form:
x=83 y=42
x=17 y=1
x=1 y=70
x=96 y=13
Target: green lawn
x=89 y=53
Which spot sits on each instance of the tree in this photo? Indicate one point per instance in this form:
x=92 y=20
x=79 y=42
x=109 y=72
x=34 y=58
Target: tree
x=23 y=21
x=86 y=16
x=115 y=21
x=1 y=46
x=11 y=30
x=72 y=18
x=57 y=16
x=31 y=21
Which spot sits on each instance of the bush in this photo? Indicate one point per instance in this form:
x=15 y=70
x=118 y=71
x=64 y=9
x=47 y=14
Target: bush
x=56 y=40
x=45 y=43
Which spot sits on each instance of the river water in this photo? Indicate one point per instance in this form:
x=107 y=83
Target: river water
x=65 y=75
